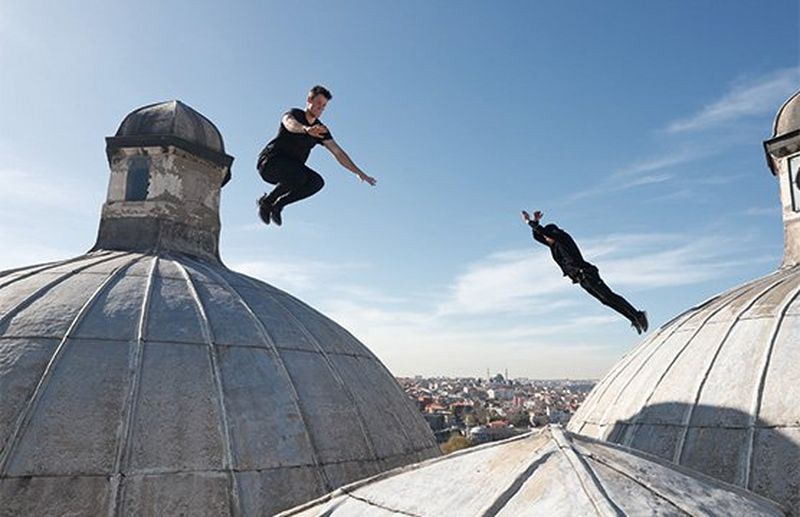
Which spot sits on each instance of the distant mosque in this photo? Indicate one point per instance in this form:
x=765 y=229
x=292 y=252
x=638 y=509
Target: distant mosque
x=146 y=378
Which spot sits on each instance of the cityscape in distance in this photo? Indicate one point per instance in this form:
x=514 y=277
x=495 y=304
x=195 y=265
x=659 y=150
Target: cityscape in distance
x=467 y=411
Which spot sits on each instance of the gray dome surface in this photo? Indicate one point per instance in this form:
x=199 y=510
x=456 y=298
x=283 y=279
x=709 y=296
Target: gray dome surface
x=546 y=472
x=716 y=389
x=788 y=118
x=172 y=118
x=135 y=384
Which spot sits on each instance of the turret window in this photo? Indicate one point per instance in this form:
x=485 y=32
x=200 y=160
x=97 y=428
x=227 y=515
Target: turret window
x=138 y=180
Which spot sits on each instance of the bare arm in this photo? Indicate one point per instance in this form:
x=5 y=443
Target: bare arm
x=290 y=123
x=533 y=222
x=346 y=162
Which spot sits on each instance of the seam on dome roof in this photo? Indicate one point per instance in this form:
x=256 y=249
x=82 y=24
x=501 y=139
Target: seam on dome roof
x=630 y=432
x=721 y=300
x=335 y=373
x=671 y=424
x=376 y=505
x=759 y=391
x=603 y=503
x=338 y=330
x=125 y=429
x=41 y=291
x=633 y=478
x=234 y=503
x=502 y=500
x=688 y=471
x=622 y=364
x=36 y=268
x=280 y=363
x=89 y=337
x=410 y=410
x=679 y=449
x=51 y=265
x=160 y=471
x=26 y=414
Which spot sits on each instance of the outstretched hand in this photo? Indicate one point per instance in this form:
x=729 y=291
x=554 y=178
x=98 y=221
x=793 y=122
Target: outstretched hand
x=318 y=130
x=369 y=179
x=537 y=216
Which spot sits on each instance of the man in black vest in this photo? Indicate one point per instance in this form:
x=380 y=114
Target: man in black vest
x=282 y=161
x=568 y=257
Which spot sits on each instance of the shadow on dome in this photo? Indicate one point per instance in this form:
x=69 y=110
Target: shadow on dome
x=722 y=442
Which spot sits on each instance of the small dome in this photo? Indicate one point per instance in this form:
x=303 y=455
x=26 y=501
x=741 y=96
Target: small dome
x=546 y=472
x=716 y=389
x=136 y=384
x=173 y=119
x=788 y=117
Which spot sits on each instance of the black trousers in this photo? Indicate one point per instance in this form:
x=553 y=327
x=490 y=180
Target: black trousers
x=594 y=285
x=293 y=180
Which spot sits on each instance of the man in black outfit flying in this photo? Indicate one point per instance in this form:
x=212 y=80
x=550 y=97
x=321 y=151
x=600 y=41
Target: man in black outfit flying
x=282 y=162
x=568 y=257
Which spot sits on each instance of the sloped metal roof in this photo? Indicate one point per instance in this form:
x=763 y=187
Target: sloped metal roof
x=546 y=472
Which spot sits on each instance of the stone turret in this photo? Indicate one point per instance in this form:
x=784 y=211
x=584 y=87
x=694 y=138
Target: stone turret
x=783 y=157
x=168 y=164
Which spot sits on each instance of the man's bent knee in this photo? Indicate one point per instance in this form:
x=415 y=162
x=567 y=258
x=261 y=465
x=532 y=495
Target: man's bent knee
x=316 y=182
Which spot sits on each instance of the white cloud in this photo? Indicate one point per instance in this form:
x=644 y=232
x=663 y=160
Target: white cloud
x=764 y=210
x=513 y=303
x=293 y=274
x=652 y=164
x=745 y=98
x=616 y=183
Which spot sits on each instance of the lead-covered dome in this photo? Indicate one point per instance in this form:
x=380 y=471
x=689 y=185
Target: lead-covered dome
x=716 y=389
x=138 y=384
x=788 y=118
x=172 y=118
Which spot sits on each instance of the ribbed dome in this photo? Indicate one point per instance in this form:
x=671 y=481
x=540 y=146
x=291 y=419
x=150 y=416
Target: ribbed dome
x=138 y=384
x=172 y=118
x=716 y=389
x=547 y=472
x=788 y=117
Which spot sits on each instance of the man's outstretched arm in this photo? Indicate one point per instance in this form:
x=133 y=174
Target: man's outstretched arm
x=533 y=222
x=295 y=126
x=346 y=162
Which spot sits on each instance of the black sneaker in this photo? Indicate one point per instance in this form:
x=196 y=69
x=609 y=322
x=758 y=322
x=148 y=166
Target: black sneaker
x=641 y=320
x=275 y=215
x=264 y=208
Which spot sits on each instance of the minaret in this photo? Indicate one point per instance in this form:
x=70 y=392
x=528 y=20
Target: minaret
x=783 y=158
x=168 y=165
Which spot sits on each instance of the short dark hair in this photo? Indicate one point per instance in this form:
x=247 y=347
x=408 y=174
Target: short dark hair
x=320 y=90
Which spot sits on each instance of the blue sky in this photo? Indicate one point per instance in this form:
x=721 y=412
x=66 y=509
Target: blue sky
x=636 y=126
